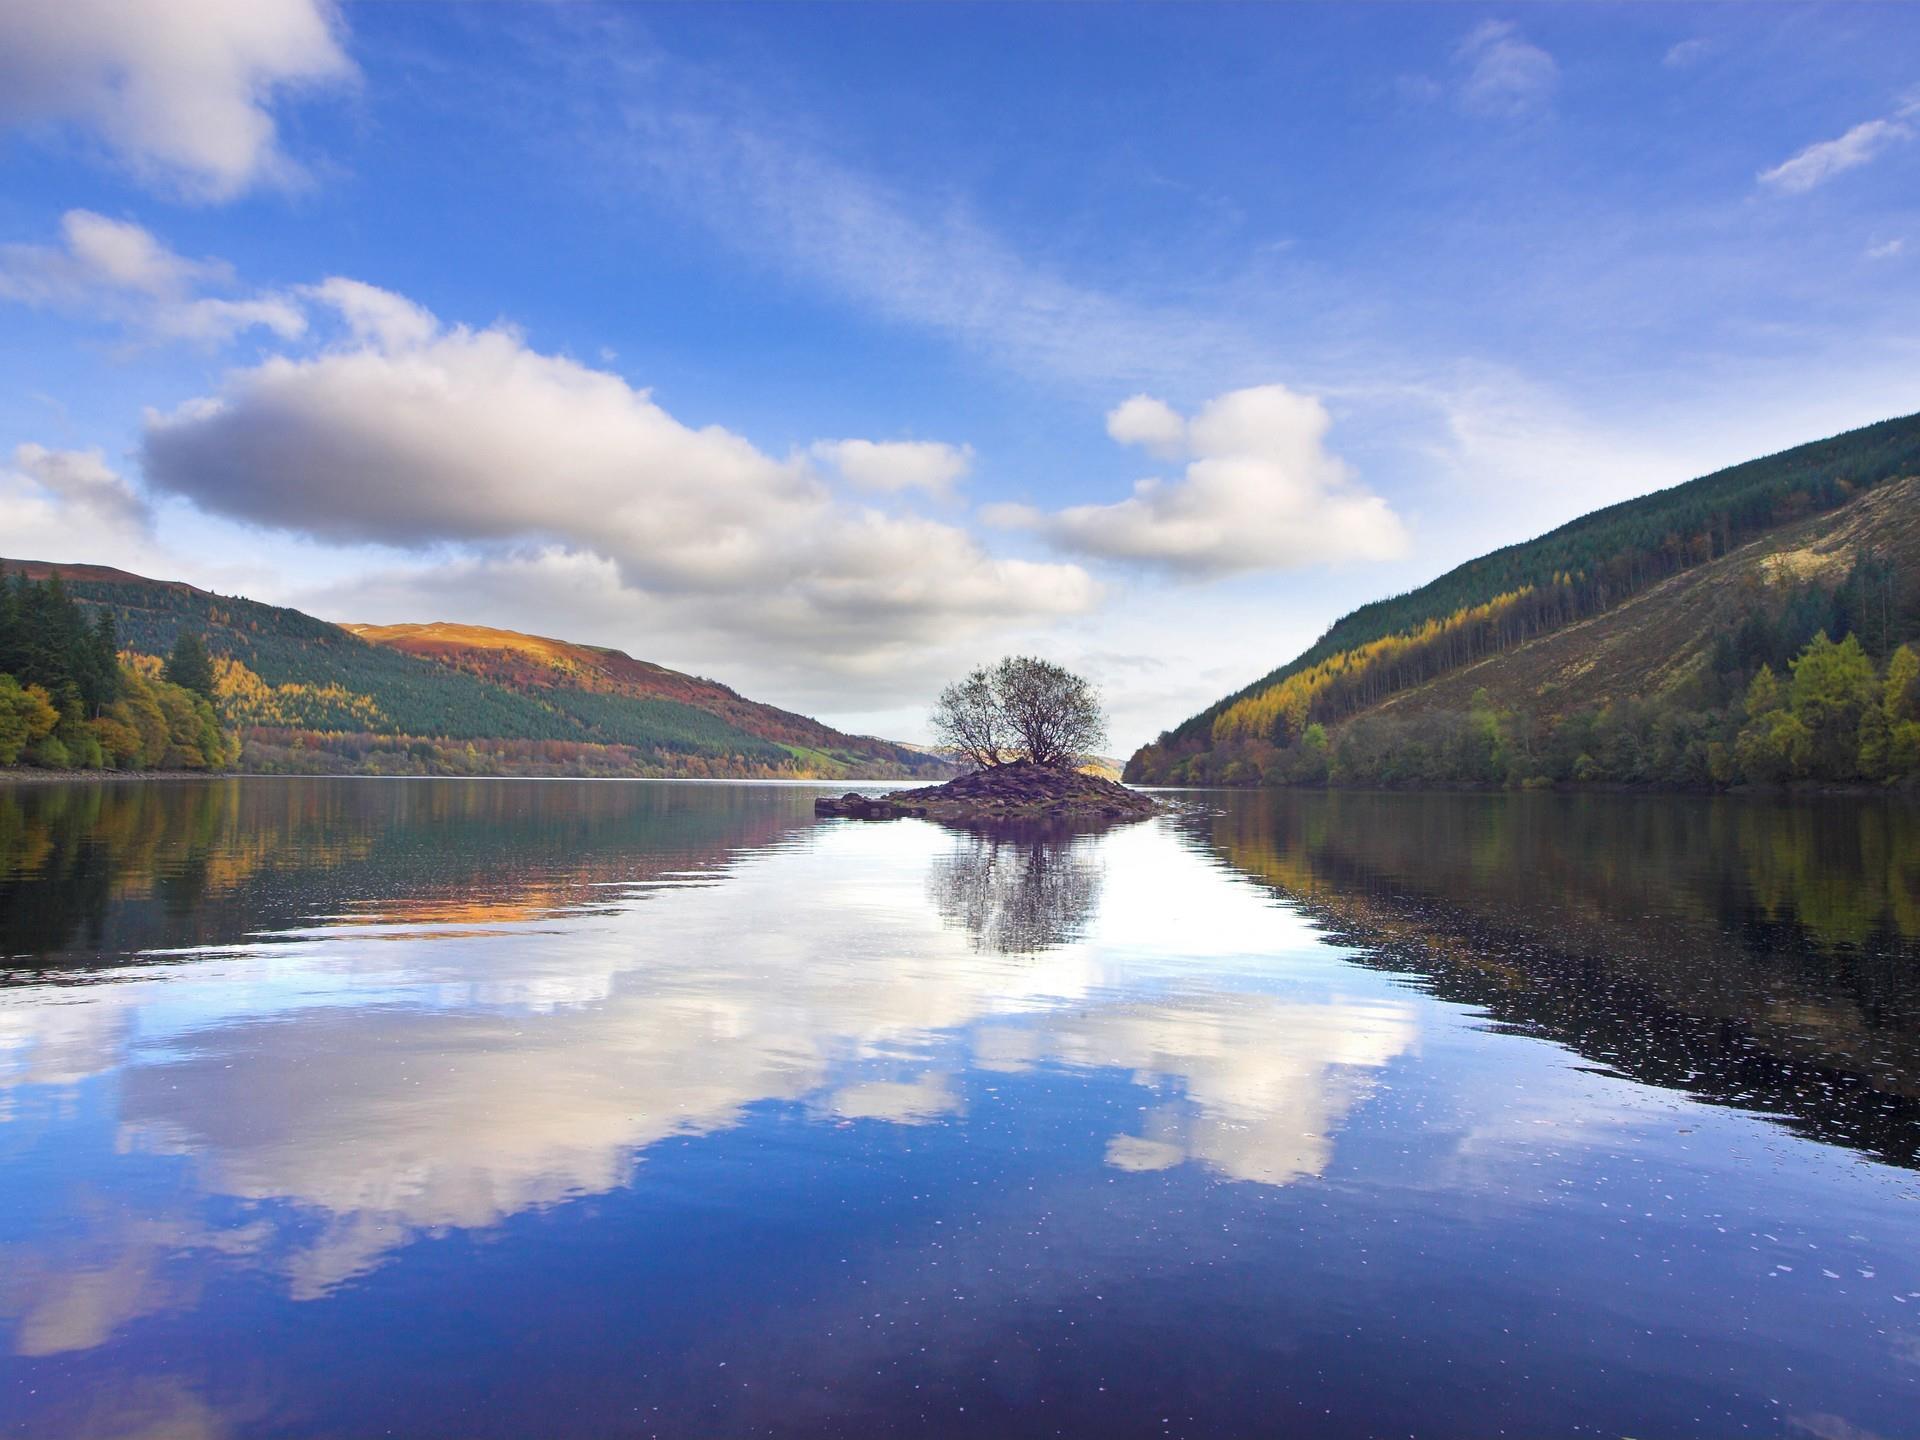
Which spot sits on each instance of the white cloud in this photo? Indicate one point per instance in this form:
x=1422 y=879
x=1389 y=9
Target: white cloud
x=1145 y=421
x=1686 y=53
x=1886 y=249
x=372 y=314
x=118 y=271
x=414 y=435
x=890 y=466
x=1820 y=162
x=121 y=254
x=67 y=493
x=1506 y=74
x=179 y=91
x=1260 y=492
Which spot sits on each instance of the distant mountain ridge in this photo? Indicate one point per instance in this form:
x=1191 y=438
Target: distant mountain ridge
x=538 y=662
x=1625 y=601
x=311 y=696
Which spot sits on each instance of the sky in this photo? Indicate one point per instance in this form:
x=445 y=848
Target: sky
x=830 y=351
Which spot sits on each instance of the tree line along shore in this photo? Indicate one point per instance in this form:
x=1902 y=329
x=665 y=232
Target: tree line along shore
x=72 y=700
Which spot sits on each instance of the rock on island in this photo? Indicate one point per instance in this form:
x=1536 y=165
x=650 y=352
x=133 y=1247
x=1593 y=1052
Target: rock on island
x=1019 y=791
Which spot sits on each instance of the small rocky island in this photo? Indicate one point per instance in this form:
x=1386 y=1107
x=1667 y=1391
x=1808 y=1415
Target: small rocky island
x=1019 y=790
x=1023 y=726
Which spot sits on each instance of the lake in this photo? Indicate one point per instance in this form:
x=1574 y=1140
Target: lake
x=513 y=1108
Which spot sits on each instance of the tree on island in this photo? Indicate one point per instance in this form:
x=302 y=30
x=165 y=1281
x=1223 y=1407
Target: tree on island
x=1020 y=709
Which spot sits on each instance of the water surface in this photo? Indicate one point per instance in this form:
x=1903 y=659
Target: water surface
x=580 y=1109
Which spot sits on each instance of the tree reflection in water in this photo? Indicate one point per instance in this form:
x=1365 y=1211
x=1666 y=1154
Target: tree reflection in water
x=1019 y=888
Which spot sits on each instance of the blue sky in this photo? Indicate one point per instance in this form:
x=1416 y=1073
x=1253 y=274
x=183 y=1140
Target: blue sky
x=830 y=350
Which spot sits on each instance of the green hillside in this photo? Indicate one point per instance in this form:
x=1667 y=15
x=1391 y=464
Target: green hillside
x=311 y=696
x=1479 y=616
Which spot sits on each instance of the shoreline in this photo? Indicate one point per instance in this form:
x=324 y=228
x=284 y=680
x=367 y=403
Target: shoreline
x=1793 y=790
x=1804 y=790
x=21 y=775
x=37 y=776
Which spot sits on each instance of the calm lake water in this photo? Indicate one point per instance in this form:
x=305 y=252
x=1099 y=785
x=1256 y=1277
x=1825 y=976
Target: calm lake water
x=470 y=1108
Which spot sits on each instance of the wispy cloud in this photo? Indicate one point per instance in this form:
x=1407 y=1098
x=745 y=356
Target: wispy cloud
x=77 y=484
x=1505 y=73
x=117 y=271
x=1825 y=159
x=922 y=260
x=1686 y=53
x=912 y=249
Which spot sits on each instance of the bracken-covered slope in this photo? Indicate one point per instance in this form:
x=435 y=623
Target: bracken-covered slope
x=1662 y=639
x=1637 y=567
x=311 y=696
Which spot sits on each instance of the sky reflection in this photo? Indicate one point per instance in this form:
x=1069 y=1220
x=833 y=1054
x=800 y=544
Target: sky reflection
x=358 y=1085
x=929 y=1131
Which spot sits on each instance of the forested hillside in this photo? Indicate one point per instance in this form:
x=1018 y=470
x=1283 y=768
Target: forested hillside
x=1822 y=540
x=70 y=699
x=309 y=696
x=538 y=665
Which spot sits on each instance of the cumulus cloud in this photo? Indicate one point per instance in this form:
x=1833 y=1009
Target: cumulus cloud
x=73 y=492
x=890 y=466
x=1154 y=424
x=1821 y=162
x=179 y=91
x=1505 y=74
x=414 y=434
x=1260 y=492
x=117 y=270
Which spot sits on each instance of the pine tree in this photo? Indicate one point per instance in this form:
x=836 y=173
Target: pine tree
x=189 y=666
x=103 y=663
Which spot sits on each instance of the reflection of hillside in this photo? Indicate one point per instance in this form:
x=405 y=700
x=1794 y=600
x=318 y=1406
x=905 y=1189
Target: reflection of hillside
x=1750 y=952
x=94 y=874
x=1017 y=889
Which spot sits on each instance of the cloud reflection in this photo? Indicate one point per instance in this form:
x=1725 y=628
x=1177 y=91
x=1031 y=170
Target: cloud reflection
x=390 y=1090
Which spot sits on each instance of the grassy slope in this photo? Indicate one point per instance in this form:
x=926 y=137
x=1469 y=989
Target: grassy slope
x=1659 y=640
x=330 y=681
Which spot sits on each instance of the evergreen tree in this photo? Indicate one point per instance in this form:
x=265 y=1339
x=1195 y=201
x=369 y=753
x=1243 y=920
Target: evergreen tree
x=12 y=631
x=101 y=685
x=189 y=666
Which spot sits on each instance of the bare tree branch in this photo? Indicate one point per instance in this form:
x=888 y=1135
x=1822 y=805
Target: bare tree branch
x=1023 y=708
